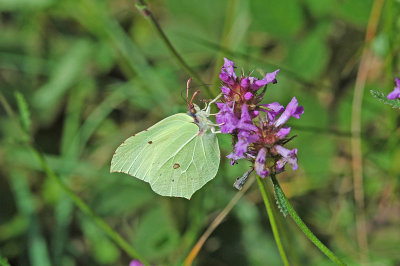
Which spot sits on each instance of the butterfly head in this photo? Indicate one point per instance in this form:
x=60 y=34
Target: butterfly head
x=200 y=116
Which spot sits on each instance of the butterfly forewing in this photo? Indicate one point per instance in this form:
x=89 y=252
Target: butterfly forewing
x=171 y=156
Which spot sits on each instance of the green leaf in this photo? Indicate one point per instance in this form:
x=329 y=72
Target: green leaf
x=24 y=113
x=382 y=98
x=280 y=199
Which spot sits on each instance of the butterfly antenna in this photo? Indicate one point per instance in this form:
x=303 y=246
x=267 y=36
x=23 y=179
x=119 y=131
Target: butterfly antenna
x=187 y=90
x=194 y=94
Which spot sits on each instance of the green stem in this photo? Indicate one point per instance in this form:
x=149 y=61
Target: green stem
x=75 y=198
x=304 y=227
x=272 y=221
x=144 y=8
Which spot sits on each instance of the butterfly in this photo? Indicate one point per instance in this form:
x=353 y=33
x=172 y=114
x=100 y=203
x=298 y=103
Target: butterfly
x=176 y=156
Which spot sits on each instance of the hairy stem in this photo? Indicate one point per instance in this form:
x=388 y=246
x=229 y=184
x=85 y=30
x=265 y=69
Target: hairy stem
x=272 y=221
x=303 y=226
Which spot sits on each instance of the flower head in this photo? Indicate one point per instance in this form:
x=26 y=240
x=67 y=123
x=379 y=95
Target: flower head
x=258 y=130
x=242 y=89
x=395 y=94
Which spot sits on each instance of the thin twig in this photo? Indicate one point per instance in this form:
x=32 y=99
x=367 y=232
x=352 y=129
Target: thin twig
x=214 y=224
x=144 y=8
x=356 y=151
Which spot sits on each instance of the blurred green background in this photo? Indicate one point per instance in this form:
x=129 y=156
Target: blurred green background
x=94 y=72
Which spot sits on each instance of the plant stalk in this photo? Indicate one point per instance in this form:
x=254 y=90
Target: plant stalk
x=272 y=221
x=304 y=227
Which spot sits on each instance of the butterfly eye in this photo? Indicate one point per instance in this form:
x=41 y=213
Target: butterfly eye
x=192 y=110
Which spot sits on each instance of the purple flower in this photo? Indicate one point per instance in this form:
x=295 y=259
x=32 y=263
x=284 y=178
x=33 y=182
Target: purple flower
x=248 y=96
x=136 y=263
x=226 y=118
x=245 y=120
x=227 y=74
x=288 y=156
x=283 y=132
x=259 y=141
x=273 y=109
x=292 y=109
x=245 y=138
x=225 y=90
x=269 y=78
x=259 y=164
x=395 y=94
x=245 y=83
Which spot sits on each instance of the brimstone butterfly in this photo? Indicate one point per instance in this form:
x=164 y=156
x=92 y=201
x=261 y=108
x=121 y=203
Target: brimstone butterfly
x=176 y=156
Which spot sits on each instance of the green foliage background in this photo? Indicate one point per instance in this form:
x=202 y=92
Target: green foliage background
x=93 y=72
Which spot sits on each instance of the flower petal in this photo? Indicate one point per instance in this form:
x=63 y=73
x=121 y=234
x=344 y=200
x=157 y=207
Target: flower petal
x=273 y=109
x=244 y=83
x=225 y=90
x=259 y=164
x=245 y=120
x=269 y=78
x=395 y=94
x=248 y=95
x=288 y=156
x=292 y=109
x=283 y=132
x=227 y=74
x=226 y=118
x=136 y=263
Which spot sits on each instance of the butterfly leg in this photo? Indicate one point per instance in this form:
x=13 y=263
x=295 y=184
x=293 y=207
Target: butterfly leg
x=214 y=131
x=208 y=106
x=214 y=125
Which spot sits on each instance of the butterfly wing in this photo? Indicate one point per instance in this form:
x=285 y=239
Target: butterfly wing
x=171 y=156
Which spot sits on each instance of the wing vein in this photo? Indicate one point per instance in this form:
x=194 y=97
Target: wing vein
x=180 y=148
